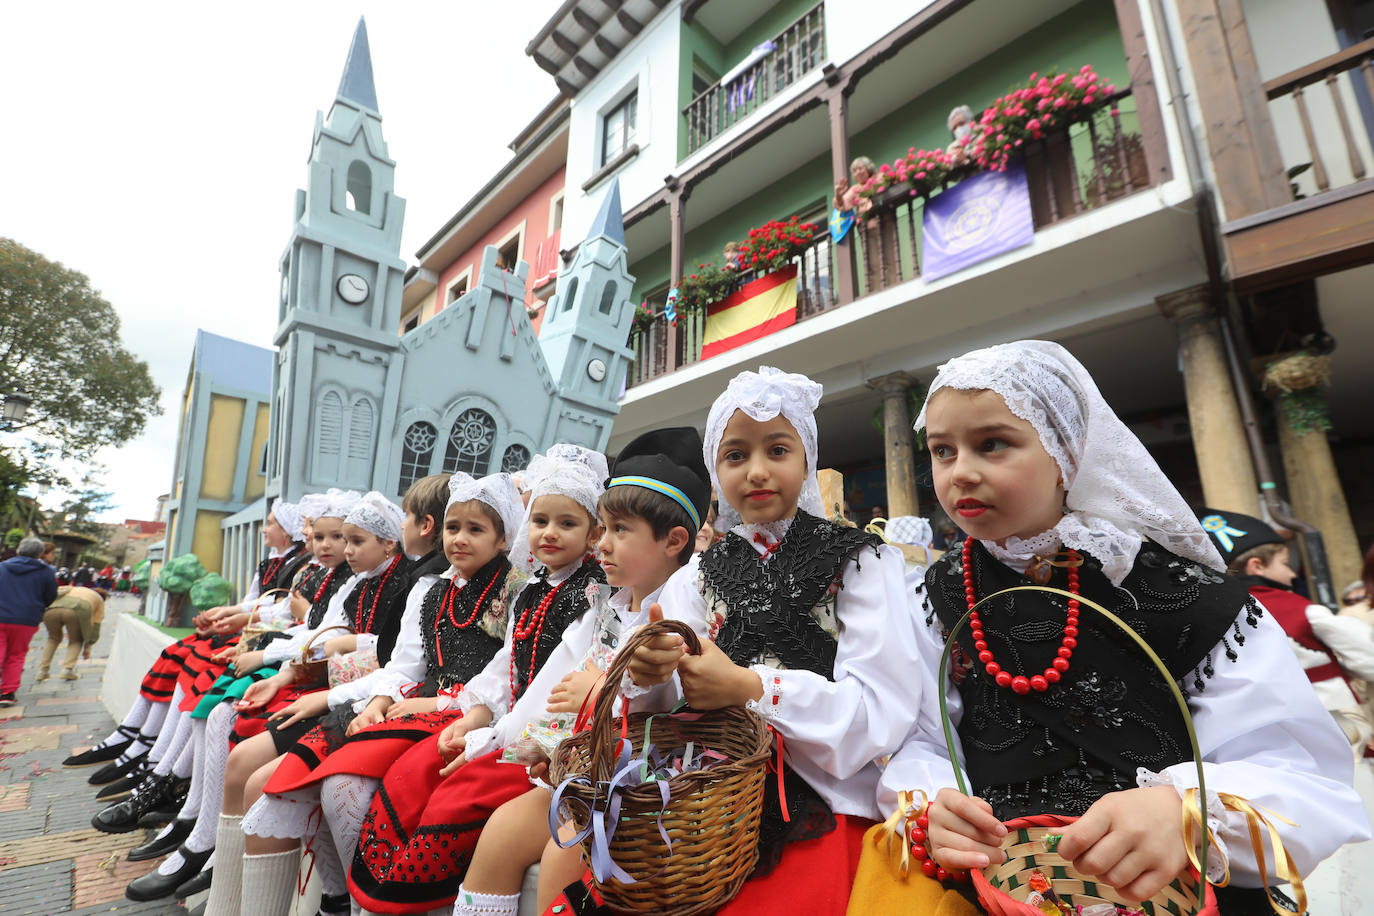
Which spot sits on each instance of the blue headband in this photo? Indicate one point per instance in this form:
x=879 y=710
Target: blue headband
x=659 y=486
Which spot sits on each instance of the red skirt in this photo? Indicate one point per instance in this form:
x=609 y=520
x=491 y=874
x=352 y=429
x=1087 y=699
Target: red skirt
x=256 y=723
x=165 y=672
x=421 y=829
x=370 y=752
x=814 y=877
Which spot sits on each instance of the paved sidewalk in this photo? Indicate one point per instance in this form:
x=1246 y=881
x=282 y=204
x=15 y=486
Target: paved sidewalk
x=51 y=860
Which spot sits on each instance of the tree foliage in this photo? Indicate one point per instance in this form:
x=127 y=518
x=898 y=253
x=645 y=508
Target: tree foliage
x=209 y=591
x=59 y=341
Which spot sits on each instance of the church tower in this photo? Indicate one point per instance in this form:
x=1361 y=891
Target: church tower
x=587 y=325
x=340 y=299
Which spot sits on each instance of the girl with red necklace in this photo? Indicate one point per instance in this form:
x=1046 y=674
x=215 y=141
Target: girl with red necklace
x=1057 y=711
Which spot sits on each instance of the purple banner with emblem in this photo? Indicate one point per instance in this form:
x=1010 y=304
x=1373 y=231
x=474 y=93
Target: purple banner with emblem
x=979 y=217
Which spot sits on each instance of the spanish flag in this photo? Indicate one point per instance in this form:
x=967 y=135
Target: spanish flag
x=755 y=310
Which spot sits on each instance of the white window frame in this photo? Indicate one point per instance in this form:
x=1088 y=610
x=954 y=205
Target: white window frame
x=555 y=205
x=517 y=233
x=465 y=274
x=618 y=101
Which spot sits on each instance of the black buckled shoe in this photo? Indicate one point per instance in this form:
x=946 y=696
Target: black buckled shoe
x=164 y=813
x=103 y=754
x=120 y=789
x=335 y=904
x=160 y=846
x=155 y=886
x=124 y=817
x=116 y=770
x=200 y=882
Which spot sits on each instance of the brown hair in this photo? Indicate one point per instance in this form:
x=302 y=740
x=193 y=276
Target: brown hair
x=428 y=496
x=662 y=514
x=1264 y=553
x=48 y=547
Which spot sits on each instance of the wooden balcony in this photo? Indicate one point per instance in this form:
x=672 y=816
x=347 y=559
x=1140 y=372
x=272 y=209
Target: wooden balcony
x=1329 y=225
x=797 y=49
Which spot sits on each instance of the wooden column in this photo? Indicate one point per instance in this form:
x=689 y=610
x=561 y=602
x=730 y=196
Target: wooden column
x=837 y=106
x=1315 y=491
x=1223 y=455
x=677 y=202
x=899 y=444
x=1144 y=89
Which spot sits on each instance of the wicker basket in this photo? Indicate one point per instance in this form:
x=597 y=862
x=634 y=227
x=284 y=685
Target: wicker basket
x=713 y=814
x=314 y=671
x=1002 y=888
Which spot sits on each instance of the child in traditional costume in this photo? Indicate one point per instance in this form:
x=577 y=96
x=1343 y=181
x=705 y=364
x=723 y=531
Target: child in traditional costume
x=810 y=625
x=1060 y=713
x=421 y=827
x=654 y=503
x=453 y=624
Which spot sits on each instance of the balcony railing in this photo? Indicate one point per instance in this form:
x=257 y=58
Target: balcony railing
x=1070 y=171
x=796 y=50
x=662 y=348
x=1330 y=70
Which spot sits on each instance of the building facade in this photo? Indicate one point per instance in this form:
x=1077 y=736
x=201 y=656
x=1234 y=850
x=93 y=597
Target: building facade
x=1206 y=220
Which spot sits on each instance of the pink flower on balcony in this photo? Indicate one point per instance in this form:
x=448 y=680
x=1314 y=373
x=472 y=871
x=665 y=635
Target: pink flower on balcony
x=920 y=175
x=1060 y=102
x=1059 y=80
x=1044 y=103
x=1088 y=99
x=1116 y=112
x=1086 y=68
x=1033 y=124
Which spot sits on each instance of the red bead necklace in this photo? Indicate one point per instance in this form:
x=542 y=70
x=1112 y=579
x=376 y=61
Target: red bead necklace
x=271 y=572
x=531 y=621
x=1019 y=682
x=362 y=596
x=446 y=610
x=319 y=592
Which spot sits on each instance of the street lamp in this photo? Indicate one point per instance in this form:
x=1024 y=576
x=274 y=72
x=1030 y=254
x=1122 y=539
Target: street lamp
x=15 y=407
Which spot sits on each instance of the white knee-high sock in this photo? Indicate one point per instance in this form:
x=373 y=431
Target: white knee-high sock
x=344 y=799
x=471 y=904
x=191 y=809
x=180 y=730
x=167 y=731
x=333 y=878
x=133 y=720
x=185 y=763
x=269 y=882
x=213 y=760
x=226 y=885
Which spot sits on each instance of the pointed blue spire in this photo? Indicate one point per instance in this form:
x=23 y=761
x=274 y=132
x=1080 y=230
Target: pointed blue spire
x=609 y=223
x=356 y=84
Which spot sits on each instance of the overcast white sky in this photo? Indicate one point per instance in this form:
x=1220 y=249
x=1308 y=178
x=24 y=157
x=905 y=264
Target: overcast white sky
x=157 y=148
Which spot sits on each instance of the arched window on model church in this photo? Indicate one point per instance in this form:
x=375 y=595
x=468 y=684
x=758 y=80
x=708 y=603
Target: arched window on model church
x=416 y=449
x=516 y=459
x=470 y=443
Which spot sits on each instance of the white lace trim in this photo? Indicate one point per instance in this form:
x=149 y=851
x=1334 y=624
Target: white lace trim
x=762 y=396
x=1117 y=496
x=474 y=904
x=770 y=704
x=773 y=532
x=630 y=690
x=481 y=742
x=576 y=480
x=285 y=816
x=374 y=513
x=496 y=490
x=1017 y=553
x=1217 y=856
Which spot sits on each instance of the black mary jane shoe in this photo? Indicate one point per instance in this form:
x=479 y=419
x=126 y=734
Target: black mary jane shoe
x=166 y=812
x=155 y=886
x=117 y=770
x=103 y=754
x=198 y=883
x=160 y=846
x=123 y=817
x=334 y=904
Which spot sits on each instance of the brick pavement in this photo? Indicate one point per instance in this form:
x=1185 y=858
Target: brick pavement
x=51 y=861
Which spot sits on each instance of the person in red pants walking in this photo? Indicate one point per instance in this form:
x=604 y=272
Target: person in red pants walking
x=27 y=587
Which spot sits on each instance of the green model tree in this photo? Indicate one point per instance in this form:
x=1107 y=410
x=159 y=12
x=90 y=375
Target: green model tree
x=210 y=591
x=176 y=578
x=141 y=574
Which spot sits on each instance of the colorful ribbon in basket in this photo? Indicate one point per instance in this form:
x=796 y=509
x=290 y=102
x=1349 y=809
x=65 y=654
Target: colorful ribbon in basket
x=1193 y=824
x=629 y=771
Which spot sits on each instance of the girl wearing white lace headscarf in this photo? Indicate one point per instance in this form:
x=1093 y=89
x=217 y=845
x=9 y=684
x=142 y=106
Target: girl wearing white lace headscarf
x=812 y=615
x=1058 y=714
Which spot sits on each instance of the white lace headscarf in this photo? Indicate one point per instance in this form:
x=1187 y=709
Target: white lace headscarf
x=338 y=503
x=497 y=491
x=559 y=455
x=762 y=396
x=312 y=504
x=288 y=515
x=375 y=513
x=1117 y=494
x=573 y=479
x=909 y=529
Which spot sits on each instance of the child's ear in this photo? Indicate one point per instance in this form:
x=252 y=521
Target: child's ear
x=501 y=544
x=1254 y=566
x=678 y=538
x=427 y=526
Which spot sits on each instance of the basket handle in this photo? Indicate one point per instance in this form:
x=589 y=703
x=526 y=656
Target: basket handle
x=305 y=652
x=942 y=681
x=601 y=744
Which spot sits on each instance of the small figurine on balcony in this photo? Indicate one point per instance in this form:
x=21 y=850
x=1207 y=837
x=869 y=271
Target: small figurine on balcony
x=965 y=128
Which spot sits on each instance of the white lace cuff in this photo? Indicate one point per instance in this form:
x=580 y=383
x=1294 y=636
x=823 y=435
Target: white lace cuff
x=480 y=743
x=367 y=641
x=286 y=816
x=1217 y=856
x=473 y=694
x=770 y=704
x=630 y=690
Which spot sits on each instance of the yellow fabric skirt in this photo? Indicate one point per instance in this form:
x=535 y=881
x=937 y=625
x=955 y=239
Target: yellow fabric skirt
x=878 y=888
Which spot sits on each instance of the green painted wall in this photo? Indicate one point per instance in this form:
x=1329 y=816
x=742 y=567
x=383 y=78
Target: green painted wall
x=1085 y=34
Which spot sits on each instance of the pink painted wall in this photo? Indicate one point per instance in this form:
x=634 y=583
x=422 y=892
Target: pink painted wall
x=538 y=248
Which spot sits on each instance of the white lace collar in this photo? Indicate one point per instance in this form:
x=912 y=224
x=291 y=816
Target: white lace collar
x=376 y=570
x=763 y=535
x=1017 y=553
x=452 y=573
x=561 y=574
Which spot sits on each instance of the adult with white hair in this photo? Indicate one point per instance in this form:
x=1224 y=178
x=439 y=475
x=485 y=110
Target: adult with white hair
x=27 y=587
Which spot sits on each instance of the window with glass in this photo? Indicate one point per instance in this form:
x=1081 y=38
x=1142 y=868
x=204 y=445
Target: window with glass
x=469 y=443
x=417 y=446
x=618 y=128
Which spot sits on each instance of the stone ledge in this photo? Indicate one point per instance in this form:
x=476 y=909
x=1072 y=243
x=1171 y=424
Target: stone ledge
x=136 y=646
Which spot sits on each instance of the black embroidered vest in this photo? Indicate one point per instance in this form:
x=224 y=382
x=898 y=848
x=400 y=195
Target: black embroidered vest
x=279 y=572
x=1059 y=751
x=321 y=583
x=766 y=605
x=387 y=594
x=568 y=605
x=461 y=640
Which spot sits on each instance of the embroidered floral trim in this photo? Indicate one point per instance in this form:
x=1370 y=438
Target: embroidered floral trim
x=285 y=816
x=770 y=704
